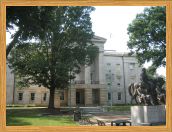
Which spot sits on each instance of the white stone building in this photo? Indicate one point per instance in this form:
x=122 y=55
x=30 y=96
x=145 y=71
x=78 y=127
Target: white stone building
x=104 y=82
x=120 y=70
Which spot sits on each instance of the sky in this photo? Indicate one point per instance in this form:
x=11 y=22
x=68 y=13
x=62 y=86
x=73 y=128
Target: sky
x=111 y=22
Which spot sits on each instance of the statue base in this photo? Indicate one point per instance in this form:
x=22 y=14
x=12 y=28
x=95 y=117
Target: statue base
x=148 y=115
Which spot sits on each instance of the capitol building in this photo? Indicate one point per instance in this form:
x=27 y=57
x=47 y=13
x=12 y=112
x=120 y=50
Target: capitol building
x=104 y=82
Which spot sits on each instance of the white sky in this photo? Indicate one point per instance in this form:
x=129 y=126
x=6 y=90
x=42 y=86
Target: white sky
x=111 y=22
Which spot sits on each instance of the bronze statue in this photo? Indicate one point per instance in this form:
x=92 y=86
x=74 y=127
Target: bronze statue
x=148 y=91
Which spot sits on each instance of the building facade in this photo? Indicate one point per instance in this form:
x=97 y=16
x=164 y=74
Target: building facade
x=104 y=82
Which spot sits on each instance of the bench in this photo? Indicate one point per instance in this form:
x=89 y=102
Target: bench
x=120 y=122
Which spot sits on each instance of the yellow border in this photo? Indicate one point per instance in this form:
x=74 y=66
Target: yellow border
x=4 y=3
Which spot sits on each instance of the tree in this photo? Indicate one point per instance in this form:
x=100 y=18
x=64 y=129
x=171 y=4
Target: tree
x=147 y=36
x=63 y=45
x=29 y=22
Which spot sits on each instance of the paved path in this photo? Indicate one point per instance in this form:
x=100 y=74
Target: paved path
x=107 y=117
x=110 y=116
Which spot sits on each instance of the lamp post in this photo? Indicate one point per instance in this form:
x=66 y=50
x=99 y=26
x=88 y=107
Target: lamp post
x=70 y=87
x=110 y=78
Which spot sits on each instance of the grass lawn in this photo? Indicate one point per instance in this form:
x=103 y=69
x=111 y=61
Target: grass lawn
x=36 y=117
x=121 y=108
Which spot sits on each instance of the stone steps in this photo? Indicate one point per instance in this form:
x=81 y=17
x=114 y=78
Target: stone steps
x=85 y=110
x=90 y=110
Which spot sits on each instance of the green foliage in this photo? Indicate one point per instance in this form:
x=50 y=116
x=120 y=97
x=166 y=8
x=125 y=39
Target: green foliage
x=151 y=70
x=147 y=36
x=152 y=76
x=33 y=21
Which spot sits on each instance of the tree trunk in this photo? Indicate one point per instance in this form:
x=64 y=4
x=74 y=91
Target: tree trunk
x=51 y=99
x=12 y=43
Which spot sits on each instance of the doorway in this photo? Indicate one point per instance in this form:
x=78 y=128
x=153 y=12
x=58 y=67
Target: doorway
x=80 y=98
x=96 y=96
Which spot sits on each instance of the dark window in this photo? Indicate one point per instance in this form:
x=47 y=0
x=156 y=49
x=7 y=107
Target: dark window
x=113 y=78
x=107 y=77
x=91 y=75
x=132 y=66
x=109 y=96
x=32 y=96
x=118 y=84
x=45 y=96
x=108 y=64
x=62 y=96
x=119 y=96
x=20 y=96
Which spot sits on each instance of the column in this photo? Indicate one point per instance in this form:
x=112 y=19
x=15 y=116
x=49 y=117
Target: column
x=72 y=97
x=101 y=68
x=87 y=75
x=103 y=96
x=88 y=96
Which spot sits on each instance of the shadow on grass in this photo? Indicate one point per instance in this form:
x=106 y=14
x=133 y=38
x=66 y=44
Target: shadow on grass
x=38 y=117
x=11 y=121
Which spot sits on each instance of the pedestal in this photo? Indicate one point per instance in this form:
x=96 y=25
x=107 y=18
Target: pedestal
x=147 y=115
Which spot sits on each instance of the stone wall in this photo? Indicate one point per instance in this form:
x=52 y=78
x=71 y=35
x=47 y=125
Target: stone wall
x=39 y=94
x=103 y=96
x=117 y=67
x=88 y=94
x=9 y=86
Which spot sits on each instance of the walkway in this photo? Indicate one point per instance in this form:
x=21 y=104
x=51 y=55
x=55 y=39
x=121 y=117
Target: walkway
x=107 y=117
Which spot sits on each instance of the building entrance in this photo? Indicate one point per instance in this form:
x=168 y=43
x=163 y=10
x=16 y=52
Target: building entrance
x=80 y=97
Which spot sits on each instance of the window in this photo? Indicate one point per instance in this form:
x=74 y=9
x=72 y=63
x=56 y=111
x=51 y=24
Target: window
x=107 y=77
x=45 y=96
x=132 y=66
x=62 y=96
x=108 y=64
x=109 y=96
x=119 y=96
x=132 y=78
x=118 y=84
x=118 y=68
x=118 y=79
x=91 y=76
x=32 y=96
x=108 y=84
x=113 y=78
x=20 y=97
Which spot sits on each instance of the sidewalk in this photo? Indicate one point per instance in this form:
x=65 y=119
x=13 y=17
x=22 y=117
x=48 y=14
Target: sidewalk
x=111 y=116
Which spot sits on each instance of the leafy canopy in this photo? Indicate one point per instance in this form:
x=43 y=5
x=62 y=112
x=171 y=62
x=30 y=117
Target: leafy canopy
x=32 y=22
x=147 y=36
x=62 y=44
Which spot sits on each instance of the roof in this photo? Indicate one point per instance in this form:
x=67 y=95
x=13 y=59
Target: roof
x=114 y=53
x=99 y=39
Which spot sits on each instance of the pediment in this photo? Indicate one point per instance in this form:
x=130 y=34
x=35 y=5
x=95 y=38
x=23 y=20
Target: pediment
x=99 y=39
